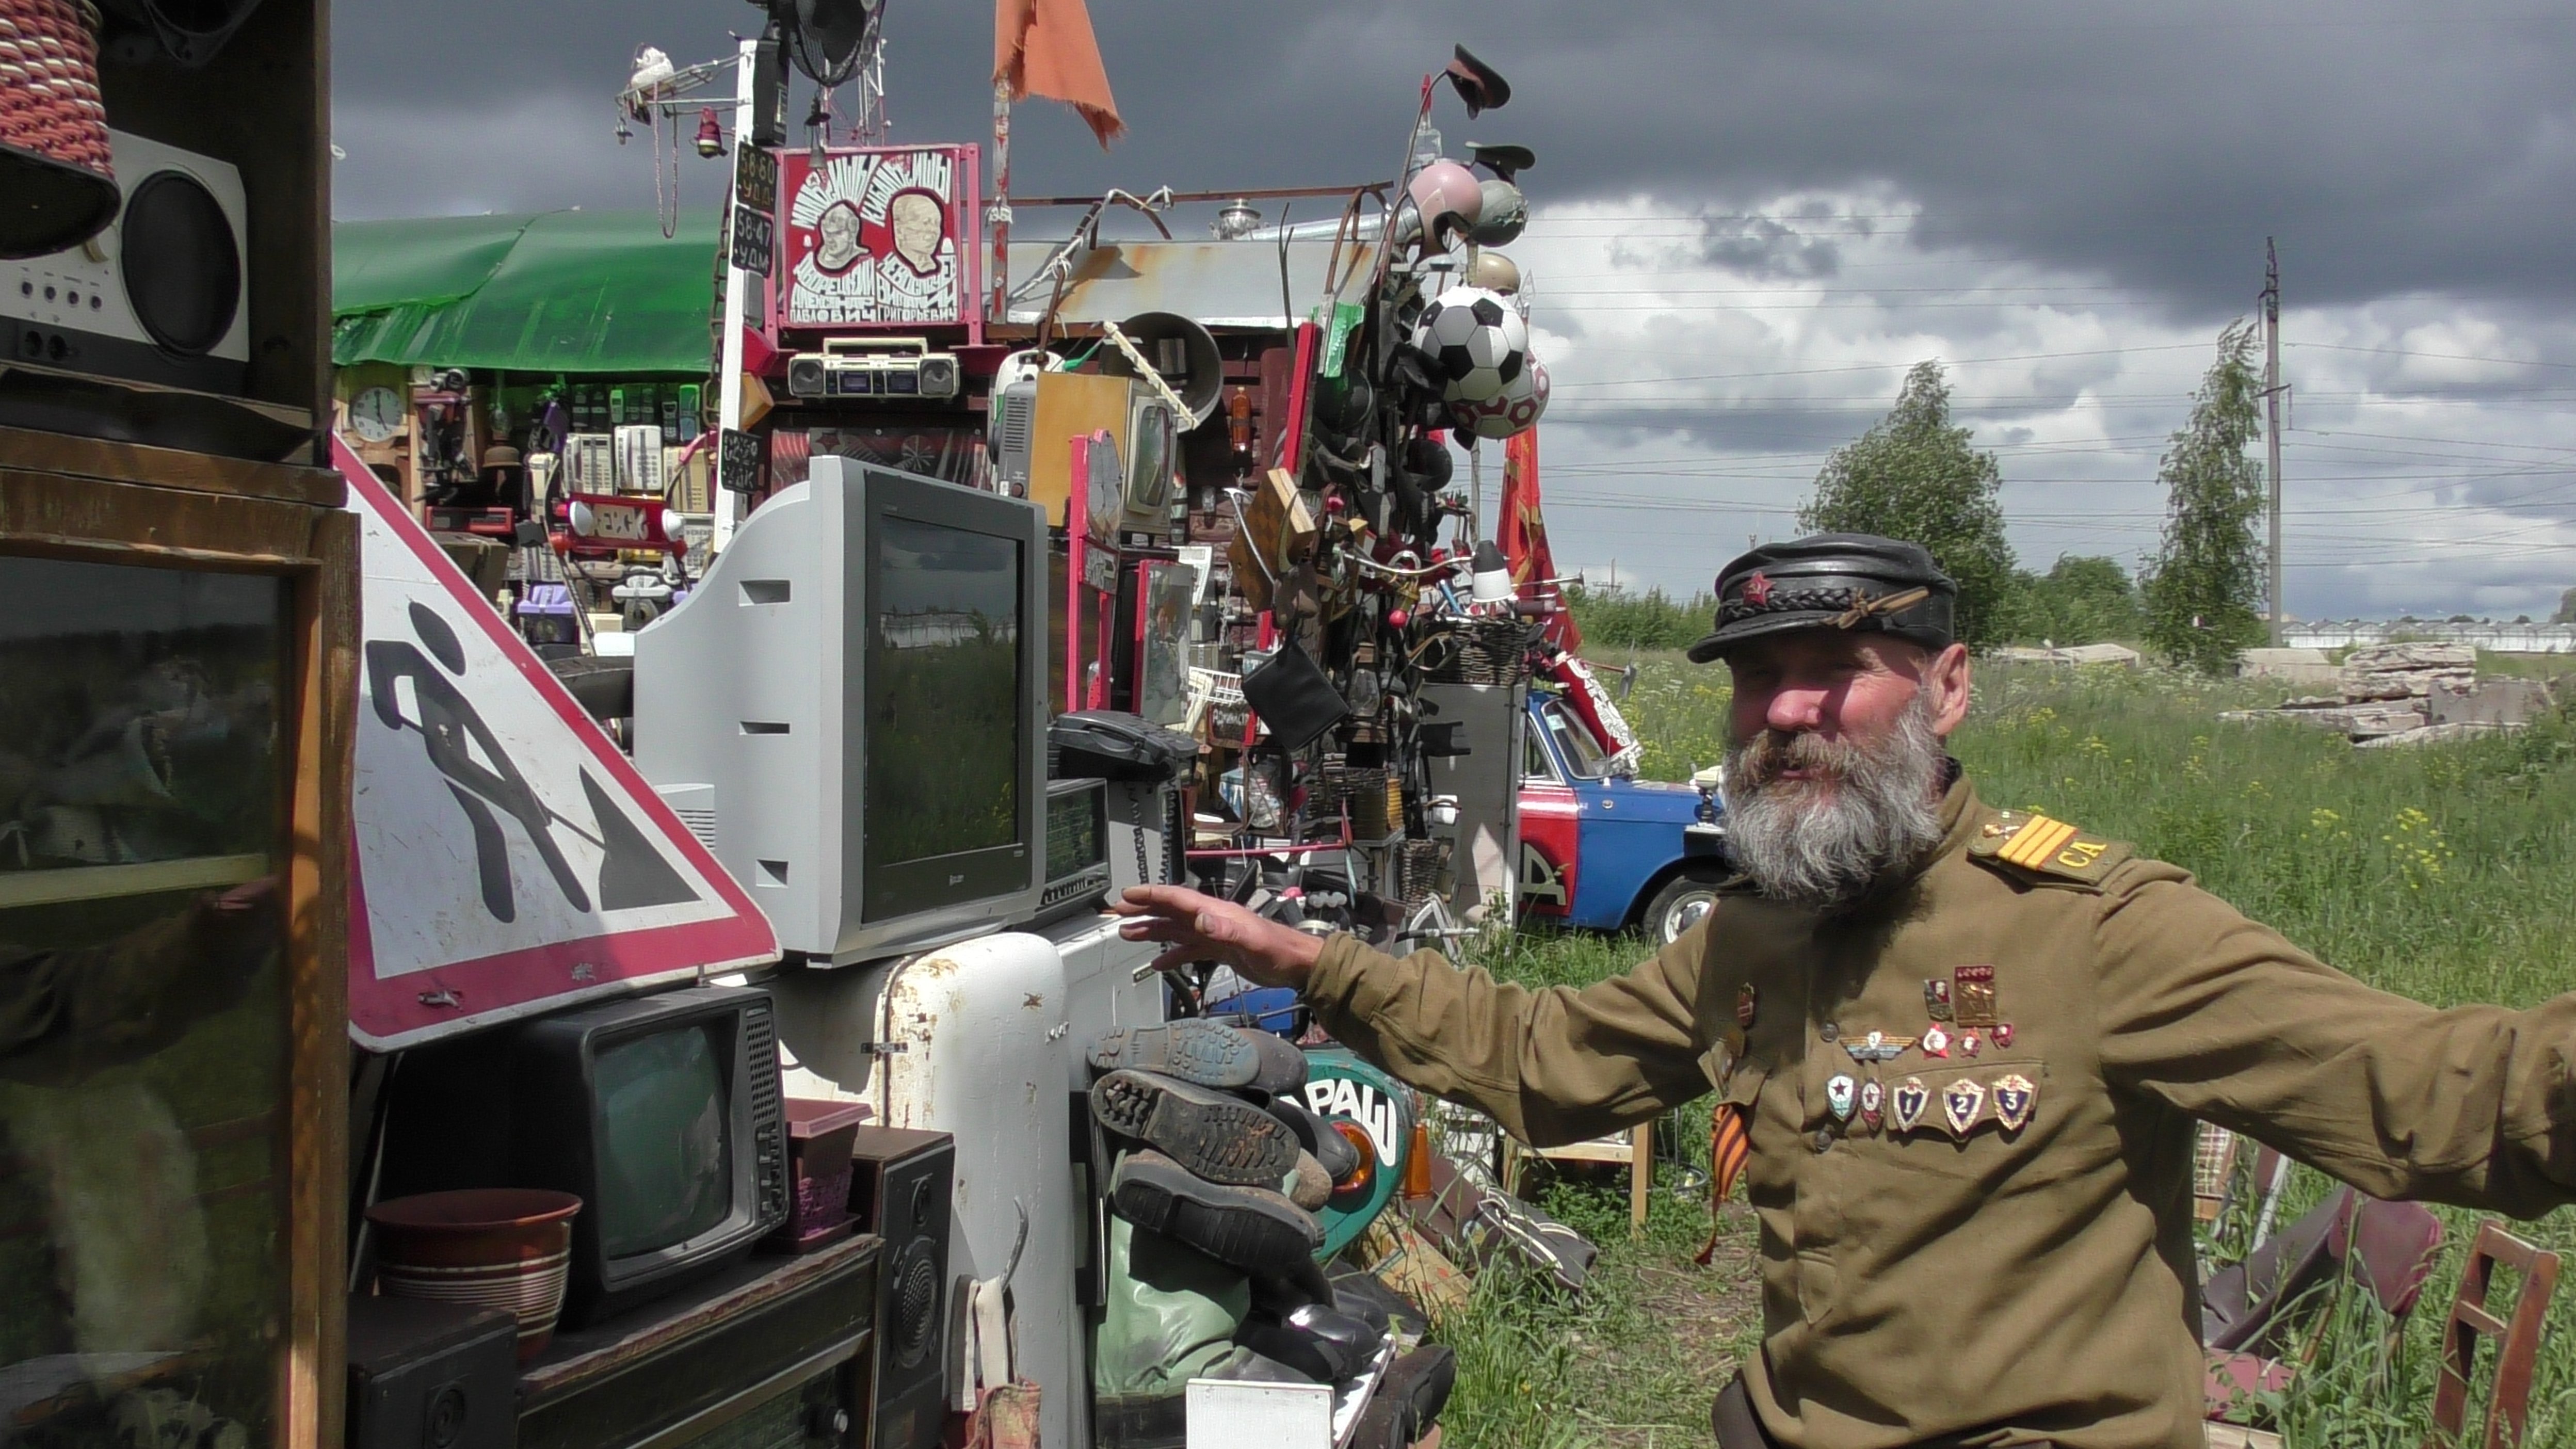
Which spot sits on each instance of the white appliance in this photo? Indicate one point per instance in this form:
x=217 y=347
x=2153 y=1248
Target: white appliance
x=984 y=1040
x=161 y=296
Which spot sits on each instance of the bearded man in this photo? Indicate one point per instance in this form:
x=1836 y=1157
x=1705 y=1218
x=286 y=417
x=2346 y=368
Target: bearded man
x=1959 y=1052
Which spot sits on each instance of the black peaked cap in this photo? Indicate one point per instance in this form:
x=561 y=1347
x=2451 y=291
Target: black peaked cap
x=1829 y=581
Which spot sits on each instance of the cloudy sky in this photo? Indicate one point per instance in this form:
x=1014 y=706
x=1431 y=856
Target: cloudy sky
x=1752 y=217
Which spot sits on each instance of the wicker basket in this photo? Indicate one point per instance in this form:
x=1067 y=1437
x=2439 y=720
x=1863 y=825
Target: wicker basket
x=1417 y=869
x=1480 y=651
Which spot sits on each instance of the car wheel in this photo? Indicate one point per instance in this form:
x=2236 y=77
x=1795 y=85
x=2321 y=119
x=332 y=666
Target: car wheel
x=1679 y=905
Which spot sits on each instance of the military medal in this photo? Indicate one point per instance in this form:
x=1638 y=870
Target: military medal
x=1973 y=1001
x=2014 y=1097
x=2003 y=1033
x=1744 y=1006
x=1936 y=998
x=1842 y=1094
x=1936 y=1043
x=1969 y=1044
x=1960 y=1103
x=1873 y=1098
x=1910 y=1098
x=1878 y=1046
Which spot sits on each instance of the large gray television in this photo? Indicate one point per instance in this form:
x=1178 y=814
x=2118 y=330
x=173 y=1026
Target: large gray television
x=850 y=711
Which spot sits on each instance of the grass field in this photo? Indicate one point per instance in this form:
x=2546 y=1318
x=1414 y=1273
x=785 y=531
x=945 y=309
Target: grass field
x=2447 y=874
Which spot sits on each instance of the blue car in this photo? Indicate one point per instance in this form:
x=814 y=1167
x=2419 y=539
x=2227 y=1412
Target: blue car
x=1606 y=852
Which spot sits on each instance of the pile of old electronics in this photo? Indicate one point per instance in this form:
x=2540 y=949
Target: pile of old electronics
x=1110 y=569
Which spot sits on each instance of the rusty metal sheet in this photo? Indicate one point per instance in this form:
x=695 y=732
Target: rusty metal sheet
x=1214 y=283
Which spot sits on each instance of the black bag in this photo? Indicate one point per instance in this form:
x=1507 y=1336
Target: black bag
x=1292 y=696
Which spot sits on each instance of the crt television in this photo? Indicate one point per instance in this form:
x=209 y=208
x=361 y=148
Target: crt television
x=661 y=1113
x=850 y=711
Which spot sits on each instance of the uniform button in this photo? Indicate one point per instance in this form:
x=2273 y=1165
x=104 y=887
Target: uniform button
x=1829 y=1031
x=1823 y=1141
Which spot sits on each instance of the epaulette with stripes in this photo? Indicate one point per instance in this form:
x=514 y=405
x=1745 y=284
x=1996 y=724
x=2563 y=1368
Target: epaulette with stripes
x=2044 y=847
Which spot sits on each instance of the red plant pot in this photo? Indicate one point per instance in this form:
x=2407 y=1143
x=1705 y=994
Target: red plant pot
x=508 y=1248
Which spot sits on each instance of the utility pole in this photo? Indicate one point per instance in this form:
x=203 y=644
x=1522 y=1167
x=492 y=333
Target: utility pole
x=2272 y=404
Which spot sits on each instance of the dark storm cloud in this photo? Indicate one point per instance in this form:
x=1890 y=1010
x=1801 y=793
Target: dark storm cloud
x=2389 y=145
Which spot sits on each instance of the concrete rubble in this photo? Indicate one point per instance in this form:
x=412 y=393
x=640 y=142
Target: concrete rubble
x=2399 y=694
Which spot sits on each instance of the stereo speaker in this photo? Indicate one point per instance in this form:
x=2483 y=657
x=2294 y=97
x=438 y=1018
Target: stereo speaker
x=899 y=1189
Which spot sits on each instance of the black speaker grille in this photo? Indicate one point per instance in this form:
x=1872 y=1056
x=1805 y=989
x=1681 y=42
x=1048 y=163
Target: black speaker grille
x=181 y=262
x=916 y=1301
x=768 y=1127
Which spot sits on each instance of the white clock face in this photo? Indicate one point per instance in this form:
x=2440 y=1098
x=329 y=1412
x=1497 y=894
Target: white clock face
x=376 y=414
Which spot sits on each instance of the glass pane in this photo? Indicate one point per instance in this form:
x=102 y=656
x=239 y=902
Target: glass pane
x=664 y=1176
x=943 y=689
x=142 y=1004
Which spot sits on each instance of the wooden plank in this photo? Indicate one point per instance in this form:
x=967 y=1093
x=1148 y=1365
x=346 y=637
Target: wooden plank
x=98 y=882
x=317 y=954
x=168 y=467
x=80 y=516
x=1641 y=1175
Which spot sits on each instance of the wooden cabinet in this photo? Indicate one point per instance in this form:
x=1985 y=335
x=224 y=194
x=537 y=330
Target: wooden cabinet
x=176 y=699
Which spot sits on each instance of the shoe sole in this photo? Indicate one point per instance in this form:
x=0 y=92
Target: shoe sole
x=1217 y=1137
x=1245 y=1227
x=1203 y=1053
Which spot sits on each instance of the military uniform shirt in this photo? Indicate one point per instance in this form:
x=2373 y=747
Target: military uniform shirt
x=2005 y=1254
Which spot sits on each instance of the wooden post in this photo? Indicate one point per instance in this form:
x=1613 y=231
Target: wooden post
x=1641 y=1175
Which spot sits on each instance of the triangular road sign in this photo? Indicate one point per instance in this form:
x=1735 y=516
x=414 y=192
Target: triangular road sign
x=509 y=859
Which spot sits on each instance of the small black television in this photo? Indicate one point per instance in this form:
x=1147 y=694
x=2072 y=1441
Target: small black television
x=661 y=1113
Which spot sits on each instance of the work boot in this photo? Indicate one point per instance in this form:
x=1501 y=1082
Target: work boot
x=1408 y=1400
x=1320 y=1342
x=1251 y=1228
x=1218 y=1137
x=1332 y=1150
x=1308 y=1187
x=1204 y=1053
x=1168 y=1315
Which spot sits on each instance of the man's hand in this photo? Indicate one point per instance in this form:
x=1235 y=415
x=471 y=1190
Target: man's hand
x=1203 y=928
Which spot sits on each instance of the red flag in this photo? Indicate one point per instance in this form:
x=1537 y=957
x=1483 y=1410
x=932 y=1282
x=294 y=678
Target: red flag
x=1523 y=535
x=1045 y=47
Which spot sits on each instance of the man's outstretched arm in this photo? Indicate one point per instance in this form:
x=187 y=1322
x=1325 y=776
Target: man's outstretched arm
x=1554 y=1065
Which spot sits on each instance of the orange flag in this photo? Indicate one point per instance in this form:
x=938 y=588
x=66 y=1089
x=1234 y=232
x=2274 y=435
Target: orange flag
x=1045 y=47
x=1522 y=532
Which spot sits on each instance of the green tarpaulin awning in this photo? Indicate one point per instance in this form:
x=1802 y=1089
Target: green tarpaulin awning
x=553 y=291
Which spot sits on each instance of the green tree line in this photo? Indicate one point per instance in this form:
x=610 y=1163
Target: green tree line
x=1916 y=475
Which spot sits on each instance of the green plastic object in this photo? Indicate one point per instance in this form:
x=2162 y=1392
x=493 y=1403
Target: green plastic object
x=554 y=292
x=1171 y=1315
x=1340 y=1085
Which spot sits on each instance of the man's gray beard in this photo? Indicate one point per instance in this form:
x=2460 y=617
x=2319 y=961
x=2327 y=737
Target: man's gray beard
x=1826 y=844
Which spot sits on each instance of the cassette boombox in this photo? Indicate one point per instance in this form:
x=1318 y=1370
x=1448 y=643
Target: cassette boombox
x=874 y=367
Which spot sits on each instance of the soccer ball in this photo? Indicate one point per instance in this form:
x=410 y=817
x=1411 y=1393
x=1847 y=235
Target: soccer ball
x=1513 y=410
x=1476 y=341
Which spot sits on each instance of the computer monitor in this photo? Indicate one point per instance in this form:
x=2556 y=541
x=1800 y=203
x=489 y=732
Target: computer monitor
x=662 y=1114
x=850 y=711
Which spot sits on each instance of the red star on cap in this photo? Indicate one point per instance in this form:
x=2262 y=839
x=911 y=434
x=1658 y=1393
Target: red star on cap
x=1757 y=591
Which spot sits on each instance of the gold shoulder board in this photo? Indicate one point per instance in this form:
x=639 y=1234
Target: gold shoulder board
x=2045 y=847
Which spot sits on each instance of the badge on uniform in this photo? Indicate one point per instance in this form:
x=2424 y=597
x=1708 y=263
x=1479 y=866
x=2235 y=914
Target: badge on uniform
x=1873 y=1100
x=1936 y=997
x=1744 y=1006
x=1970 y=1044
x=2015 y=1095
x=1972 y=1002
x=2003 y=1033
x=1910 y=1098
x=1936 y=1043
x=1878 y=1046
x=1842 y=1094
x=1960 y=1103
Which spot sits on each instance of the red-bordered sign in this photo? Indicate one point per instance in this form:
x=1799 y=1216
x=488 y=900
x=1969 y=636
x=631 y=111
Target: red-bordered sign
x=878 y=238
x=509 y=860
